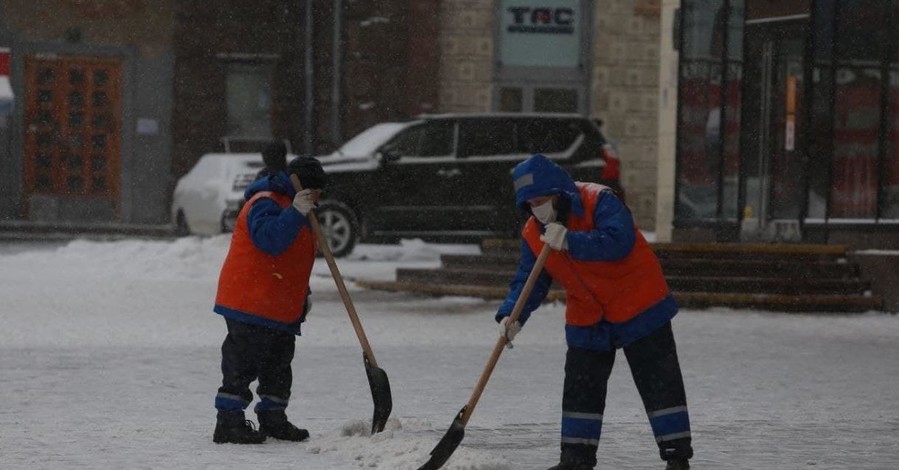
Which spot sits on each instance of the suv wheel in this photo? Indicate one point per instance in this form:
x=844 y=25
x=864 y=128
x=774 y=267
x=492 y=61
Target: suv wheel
x=339 y=226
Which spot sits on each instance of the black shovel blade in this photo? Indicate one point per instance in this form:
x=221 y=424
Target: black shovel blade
x=447 y=445
x=380 y=394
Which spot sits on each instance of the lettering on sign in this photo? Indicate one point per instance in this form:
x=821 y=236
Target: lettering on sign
x=541 y=20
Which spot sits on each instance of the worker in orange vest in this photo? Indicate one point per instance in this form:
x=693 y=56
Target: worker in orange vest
x=263 y=293
x=616 y=298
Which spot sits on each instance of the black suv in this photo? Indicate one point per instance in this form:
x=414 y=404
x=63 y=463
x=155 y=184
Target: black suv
x=448 y=177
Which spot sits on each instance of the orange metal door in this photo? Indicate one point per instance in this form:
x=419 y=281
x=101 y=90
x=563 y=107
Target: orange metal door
x=73 y=127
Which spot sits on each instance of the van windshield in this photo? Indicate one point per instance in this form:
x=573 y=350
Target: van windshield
x=370 y=139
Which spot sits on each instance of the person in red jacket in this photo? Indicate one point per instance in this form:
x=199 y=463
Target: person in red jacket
x=263 y=293
x=616 y=298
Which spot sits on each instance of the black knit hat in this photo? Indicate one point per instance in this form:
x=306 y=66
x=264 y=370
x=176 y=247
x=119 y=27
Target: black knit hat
x=309 y=170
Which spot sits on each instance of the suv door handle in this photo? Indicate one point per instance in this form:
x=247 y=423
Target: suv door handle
x=451 y=173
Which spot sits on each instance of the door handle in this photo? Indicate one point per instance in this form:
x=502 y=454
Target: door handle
x=451 y=173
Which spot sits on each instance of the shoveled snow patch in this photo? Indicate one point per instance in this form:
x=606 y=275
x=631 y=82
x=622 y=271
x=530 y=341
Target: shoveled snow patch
x=396 y=448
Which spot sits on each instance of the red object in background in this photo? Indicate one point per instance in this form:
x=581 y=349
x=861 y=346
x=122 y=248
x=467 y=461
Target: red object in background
x=612 y=170
x=4 y=61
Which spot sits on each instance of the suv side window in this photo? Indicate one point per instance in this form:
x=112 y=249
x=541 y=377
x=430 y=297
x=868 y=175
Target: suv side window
x=548 y=136
x=433 y=139
x=438 y=140
x=406 y=142
x=486 y=137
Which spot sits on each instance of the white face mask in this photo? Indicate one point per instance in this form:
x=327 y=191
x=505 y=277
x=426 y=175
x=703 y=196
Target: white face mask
x=545 y=212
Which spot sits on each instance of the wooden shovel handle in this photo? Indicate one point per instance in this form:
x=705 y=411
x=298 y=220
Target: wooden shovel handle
x=501 y=342
x=338 y=279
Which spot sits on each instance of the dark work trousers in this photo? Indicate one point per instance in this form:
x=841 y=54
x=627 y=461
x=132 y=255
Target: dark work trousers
x=656 y=372
x=253 y=352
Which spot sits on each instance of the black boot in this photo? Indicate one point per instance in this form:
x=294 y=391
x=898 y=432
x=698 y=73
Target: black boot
x=275 y=424
x=231 y=427
x=678 y=464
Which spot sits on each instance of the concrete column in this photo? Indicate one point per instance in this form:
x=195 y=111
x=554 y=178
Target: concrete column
x=668 y=66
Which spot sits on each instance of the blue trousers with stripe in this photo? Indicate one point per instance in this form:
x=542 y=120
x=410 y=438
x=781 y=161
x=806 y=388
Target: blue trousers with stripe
x=657 y=374
x=252 y=352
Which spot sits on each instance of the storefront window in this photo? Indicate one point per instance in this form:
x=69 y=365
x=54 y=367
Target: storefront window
x=733 y=111
x=891 y=164
x=861 y=32
x=820 y=123
x=710 y=108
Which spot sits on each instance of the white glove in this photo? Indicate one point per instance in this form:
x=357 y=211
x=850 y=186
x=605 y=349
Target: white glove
x=554 y=236
x=303 y=201
x=509 y=331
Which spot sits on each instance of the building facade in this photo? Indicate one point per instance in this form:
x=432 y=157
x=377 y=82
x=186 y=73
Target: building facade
x=787 y=121
x=116 y=99
x=595 y=58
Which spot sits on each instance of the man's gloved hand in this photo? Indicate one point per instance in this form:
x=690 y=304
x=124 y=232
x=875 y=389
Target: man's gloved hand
x=303 y=201
x=554 y=236
x=509 y=331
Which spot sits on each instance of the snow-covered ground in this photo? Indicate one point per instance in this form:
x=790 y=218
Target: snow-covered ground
x=109 y=359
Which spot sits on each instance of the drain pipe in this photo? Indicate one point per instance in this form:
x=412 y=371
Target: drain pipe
x=336 y=74
x=310 y=83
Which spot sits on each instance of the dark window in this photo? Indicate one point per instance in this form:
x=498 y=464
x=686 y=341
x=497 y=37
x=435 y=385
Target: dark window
x=437 y=139
x=100 y=99
x=249 y=100
x=101 y=120
x=74 y=162
x=555 y=100
x=487 y=137
x=45 y=96
x=891 y=163
x=99 y=141
x=510 y=100
x=45 y=118
x=76 y=99
x=76 y=141
x=406 y=143
x=101 y=78
x=98 y=163
x=44 y=160
x=74 y=184
x=76 y=119
x=76 y=76
x=862 y=32
x=99 y=183
x=45 y=76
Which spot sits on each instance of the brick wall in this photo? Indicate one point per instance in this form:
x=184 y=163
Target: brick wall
x=466 y=60
x=145 y=24
x=625 y=95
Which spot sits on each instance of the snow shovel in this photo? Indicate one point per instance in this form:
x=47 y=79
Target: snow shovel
x=447 y=445
x=377 y=378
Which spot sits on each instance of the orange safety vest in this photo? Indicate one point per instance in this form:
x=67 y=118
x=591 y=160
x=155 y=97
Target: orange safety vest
x=256 y=283
x=614 y=290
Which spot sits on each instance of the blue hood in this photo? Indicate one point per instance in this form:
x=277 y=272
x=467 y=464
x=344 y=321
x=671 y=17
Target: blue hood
x=539 y=176
x=277 y=183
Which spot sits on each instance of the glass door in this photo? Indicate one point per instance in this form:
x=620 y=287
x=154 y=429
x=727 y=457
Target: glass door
x=772 y=175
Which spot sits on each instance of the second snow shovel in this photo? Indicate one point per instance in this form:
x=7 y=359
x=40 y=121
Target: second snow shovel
x=377 y=378
x=447 y=445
